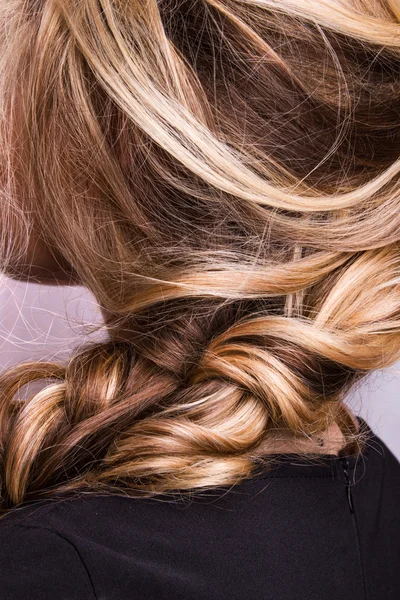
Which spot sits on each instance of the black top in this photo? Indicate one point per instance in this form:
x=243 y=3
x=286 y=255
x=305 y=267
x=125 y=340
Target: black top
x=297 y=532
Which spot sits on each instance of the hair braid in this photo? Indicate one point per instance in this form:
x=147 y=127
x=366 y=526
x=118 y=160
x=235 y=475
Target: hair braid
x=223 y=176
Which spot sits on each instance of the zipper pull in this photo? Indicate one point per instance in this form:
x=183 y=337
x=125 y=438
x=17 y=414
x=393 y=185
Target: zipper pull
x=345 y=465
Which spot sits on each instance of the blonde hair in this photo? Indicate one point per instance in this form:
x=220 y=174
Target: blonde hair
x=223 y=176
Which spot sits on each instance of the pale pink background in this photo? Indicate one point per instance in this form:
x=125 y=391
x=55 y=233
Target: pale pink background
x=38 y=321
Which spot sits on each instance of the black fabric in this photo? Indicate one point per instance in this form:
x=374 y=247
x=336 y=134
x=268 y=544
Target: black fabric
x=295 y=533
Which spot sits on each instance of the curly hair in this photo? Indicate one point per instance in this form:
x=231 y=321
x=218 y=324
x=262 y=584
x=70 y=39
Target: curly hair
x=223 y=176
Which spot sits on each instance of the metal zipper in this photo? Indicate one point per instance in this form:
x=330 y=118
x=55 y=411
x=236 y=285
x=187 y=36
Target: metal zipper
x=345 y=465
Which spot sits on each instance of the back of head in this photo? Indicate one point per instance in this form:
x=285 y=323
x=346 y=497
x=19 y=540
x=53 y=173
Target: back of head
x=223 y=176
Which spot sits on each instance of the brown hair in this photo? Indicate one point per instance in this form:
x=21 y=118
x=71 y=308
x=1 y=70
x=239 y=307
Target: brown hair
x=223 y=176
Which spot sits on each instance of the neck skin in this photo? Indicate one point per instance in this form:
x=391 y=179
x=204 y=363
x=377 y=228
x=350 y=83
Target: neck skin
x=331 y=442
